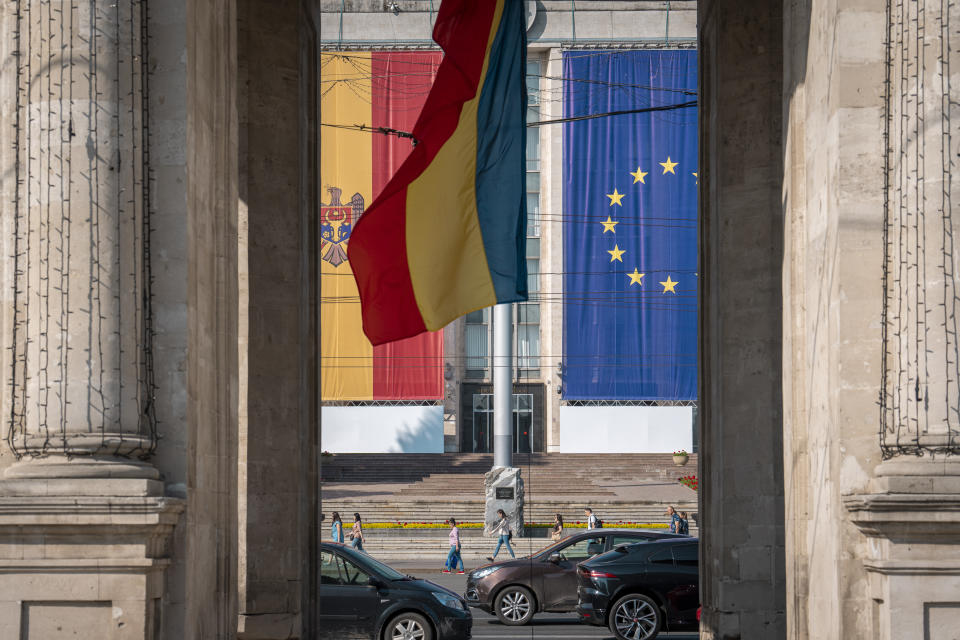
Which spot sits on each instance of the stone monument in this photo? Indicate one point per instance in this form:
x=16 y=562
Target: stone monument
x=504 y=490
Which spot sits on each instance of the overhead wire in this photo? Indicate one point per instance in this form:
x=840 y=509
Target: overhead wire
x=364 y=78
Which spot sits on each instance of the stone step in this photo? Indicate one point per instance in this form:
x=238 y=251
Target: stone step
x=473 y=511
x=413 y=467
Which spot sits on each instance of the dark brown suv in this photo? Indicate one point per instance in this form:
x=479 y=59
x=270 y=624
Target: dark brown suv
x=547 y=580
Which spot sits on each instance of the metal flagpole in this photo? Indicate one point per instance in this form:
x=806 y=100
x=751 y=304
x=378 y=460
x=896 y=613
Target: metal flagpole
x=502 y=386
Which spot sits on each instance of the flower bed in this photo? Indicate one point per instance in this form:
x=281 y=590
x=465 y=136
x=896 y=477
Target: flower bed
x=689 y=481
x=532 y=525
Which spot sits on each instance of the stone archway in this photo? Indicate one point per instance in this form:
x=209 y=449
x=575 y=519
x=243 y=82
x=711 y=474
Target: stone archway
x=806 y=532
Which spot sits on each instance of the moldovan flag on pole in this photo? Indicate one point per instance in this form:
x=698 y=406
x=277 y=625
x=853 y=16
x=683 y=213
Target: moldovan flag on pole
x=447 y=235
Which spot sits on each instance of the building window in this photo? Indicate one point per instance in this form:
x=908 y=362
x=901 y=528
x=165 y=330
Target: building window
x=533 y=149
x=528 y=314
x=528 y=340
x=478 y=353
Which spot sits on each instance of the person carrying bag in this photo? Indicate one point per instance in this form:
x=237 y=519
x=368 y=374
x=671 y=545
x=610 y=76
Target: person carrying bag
x=557 y=531
x=503 y=533
x=356 y=533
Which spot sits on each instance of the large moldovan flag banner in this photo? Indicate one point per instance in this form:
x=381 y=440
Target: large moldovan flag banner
x=379 y=89
x=630 y=227
x=447 y=235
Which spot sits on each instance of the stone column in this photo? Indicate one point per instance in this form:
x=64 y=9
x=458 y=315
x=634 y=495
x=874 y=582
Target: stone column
x=909 y=510
x=741 y=252
x=81 y=384
x=921 y=374
x=84 y=524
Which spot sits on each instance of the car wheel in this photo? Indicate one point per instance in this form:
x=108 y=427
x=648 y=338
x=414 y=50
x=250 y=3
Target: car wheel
x=408 y=626
x=514 y=606
x=635 y=617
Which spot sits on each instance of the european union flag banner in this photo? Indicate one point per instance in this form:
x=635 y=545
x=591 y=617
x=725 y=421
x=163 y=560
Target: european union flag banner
x=630 y=226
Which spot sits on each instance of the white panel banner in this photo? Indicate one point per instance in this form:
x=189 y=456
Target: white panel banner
x=382 y=429
x=625 y=429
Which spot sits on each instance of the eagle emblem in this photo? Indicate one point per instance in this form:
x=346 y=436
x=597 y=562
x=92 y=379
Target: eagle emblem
x=336 y=223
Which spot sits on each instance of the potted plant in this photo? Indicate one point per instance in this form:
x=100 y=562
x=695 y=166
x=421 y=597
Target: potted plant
x=680 y=457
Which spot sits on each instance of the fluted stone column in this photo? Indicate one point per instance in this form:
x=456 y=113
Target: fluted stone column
x=84 y=522
x=911 y=511
x=81 y=383
x=921 y=393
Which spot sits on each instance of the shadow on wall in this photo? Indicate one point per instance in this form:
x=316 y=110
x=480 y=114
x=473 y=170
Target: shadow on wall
x=419 y=436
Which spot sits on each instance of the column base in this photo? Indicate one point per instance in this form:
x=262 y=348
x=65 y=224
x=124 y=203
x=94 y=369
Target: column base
x=83 y=557
x=58 y=467
x=912 y=515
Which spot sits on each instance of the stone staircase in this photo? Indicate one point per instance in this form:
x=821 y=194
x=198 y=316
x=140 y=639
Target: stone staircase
x=435 y=487
x=471 y=510
x=551 y=469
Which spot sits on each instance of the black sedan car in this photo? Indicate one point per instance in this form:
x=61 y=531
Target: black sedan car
x=361 y=597
x=517 y=589
x=638 y=590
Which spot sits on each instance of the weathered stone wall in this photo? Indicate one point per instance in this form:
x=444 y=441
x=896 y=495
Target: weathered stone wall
x=741 y=244
x=833 y=194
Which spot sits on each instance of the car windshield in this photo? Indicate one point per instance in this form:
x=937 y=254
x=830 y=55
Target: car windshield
x=549 y=549
x=386 y=571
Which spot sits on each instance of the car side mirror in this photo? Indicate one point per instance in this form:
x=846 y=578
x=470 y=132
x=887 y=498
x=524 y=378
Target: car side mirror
x=375 y=582
x=554 y=558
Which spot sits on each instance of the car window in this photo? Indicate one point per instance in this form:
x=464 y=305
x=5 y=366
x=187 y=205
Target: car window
x=661 y=557
x=329 y=568
x=387 y=571
x=686 y=555
x=581 y=549
x=626 y=539
x=337 y=570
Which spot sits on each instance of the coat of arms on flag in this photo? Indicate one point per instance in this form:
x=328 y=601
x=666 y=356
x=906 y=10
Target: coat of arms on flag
x=336 y=222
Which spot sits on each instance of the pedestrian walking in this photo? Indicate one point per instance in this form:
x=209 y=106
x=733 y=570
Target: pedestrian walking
x=356 y=534
x=504 y=534
x=557 y=531
x=683 y=526
x=336 y=528
x=674 y=519
x=454 y=555
x=593 y=522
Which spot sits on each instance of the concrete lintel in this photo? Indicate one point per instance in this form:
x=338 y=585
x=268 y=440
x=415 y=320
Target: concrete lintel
x=936 y=566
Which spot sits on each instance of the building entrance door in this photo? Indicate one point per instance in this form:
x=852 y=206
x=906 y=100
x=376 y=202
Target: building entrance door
x=476 y=418
x=482 y=431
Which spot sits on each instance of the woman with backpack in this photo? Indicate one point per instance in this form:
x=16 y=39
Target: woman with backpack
x=356 y=534
x=336 y=528
x=503 y=533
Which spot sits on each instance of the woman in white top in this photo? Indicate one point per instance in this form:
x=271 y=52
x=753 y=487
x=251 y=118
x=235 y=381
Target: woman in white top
x=502 y=530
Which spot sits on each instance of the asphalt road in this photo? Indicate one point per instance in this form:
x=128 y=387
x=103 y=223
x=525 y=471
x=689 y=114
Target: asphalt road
x=546 y=626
